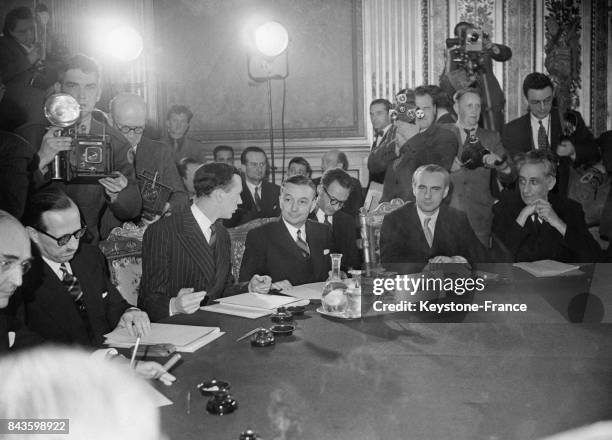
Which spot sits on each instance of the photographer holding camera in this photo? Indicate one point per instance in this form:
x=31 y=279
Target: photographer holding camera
x=480 y=167
x=468 y=64
x=117 y=190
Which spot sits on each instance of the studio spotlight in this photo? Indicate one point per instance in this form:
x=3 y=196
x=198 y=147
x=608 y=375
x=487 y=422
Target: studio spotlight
x=124 y=43
x=271 y=39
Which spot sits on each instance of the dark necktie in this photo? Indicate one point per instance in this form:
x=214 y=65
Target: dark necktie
x=302 y=245
x=542 y=137
x=257 y=199
x=326 y=221
x=213 y=236
x=427 y=230
x=468 y=135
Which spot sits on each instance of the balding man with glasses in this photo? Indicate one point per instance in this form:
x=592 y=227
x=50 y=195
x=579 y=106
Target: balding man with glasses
x=68 y=296
x=153 y=161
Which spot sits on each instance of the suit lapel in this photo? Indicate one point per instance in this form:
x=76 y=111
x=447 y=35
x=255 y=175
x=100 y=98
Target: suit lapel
x=193 y=241
x=316 y=243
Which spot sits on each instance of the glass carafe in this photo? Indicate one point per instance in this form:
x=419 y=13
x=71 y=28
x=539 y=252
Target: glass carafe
x=334 y=299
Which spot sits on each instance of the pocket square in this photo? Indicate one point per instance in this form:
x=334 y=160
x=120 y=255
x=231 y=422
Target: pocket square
x=325 y=251
x=104 y=295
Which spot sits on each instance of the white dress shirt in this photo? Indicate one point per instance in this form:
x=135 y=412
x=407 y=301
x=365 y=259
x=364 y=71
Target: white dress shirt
x=432 y=222
x=535 y=127
x=203 y=222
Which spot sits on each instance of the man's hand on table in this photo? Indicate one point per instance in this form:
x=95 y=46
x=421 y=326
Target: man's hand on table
x=187 y=301
x=153 y=370
x=135 y=321
x=282 y=285
x=260 y=284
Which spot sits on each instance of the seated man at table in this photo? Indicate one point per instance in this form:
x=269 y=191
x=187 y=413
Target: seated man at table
x=68 y=296
x=333 y=192
x=15 y=259
x=428 y=230
x=186 y=257
x=535 y=224
x=293 y=250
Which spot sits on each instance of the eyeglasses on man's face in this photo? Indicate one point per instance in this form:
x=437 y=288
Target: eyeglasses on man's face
x=126 y=129
x=10 y=264
x=64 y=239
x=334 y=201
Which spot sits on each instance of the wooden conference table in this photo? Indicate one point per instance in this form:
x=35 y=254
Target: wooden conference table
x=394 y=377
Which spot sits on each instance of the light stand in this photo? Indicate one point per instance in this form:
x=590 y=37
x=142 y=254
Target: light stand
x=271 y=61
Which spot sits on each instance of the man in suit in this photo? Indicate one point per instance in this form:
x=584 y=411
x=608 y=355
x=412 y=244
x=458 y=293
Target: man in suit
x=15 y=160
x=186 y=257
x=120 y=193
x=15 y=261
x=427 y=230
x=178 y=121
x=337 y=159
x=432 y=144
x=152 y=160
x=381 y=123
x=480 y=167
x=224 y=153
x=541 y=129
x=536 y=224
x=293 y=250
x=68 y=296
x=259 y=197
x=333 y=193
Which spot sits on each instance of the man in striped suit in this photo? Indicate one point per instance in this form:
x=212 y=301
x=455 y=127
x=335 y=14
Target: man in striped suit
x=186 y=257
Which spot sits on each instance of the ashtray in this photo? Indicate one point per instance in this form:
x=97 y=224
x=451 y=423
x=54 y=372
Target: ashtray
x=296 y=310
x=282 y=329
x=282 y=316
x=263 y=338
x=212 y=386
x=221 y=403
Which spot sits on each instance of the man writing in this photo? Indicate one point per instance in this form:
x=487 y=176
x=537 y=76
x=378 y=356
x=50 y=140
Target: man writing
x=68 y=295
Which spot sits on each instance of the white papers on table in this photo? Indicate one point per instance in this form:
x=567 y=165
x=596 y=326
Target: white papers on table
x=546 y=268
x=257 y=300
x=186 y=338
x=251 y=305
x=307 y=291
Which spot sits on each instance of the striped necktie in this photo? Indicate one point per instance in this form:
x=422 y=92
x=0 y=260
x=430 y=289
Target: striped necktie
x=427 y=230
x=542 y=137
x=257 y=199
x=301 y=243
x=213 y=235
x=72 y=283
x=326 y=221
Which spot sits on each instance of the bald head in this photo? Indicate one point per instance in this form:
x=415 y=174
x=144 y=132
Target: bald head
x=129 y=113
x=14 y=255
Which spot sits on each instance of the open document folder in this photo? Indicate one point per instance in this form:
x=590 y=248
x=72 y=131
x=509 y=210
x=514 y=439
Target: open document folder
x=251 y=305
x=186 y=338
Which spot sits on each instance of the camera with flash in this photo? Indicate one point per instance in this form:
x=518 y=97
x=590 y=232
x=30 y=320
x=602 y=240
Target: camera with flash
x=405 y=109
x=90 y=157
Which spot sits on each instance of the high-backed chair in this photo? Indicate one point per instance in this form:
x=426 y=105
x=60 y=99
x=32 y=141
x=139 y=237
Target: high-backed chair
x=238 y=239
x=123 y=252
x=371 y=223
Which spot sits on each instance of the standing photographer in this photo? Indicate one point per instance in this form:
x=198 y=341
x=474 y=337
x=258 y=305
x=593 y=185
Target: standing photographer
x=480 y=167
x=468 y=64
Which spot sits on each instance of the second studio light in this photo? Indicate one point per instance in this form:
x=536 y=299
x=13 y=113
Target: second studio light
x=271 y=39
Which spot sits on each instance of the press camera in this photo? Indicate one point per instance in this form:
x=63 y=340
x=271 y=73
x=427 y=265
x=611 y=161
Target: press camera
x=90 y=157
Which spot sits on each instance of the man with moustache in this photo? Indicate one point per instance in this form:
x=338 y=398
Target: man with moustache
x=536 y=224
x=186 y=257
x=293 y=250
x=68 y=296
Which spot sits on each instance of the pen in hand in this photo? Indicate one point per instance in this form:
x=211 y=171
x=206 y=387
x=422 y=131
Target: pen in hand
x=134 y=352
